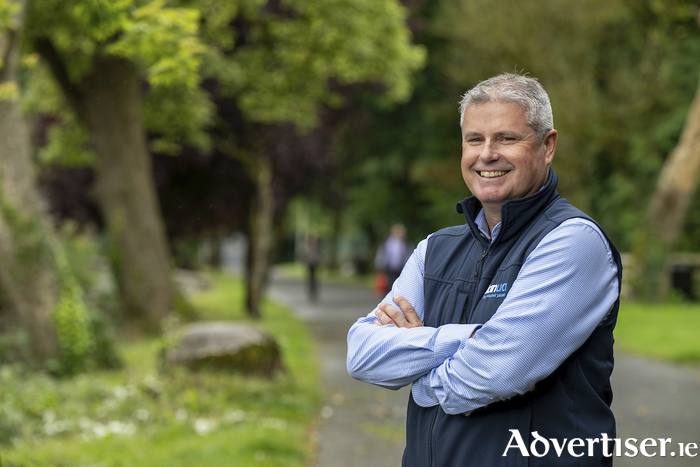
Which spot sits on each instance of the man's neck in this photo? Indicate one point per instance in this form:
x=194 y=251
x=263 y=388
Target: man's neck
x=492 y=219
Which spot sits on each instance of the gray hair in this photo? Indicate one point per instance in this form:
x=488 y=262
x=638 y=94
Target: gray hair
x=527 y=92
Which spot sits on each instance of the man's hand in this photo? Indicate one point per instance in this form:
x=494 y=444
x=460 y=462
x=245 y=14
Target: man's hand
x=387 y=314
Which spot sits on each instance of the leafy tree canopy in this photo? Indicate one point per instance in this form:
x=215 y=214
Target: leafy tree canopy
x=278 y=59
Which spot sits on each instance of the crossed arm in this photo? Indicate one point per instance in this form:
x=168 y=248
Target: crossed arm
x=406 y=318
x=563 y=291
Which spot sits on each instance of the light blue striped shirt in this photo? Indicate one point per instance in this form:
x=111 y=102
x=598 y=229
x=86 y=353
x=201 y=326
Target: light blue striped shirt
x=565 y=288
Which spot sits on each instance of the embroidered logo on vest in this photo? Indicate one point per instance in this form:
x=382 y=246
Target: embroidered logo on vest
x=496 y=291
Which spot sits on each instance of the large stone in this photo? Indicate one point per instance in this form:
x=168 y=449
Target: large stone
x=229 y=347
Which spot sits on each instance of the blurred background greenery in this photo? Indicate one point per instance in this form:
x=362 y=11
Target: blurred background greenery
x=141 y=137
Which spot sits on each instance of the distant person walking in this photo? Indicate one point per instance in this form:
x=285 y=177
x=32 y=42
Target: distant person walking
x=313 y=258
x=392 y=255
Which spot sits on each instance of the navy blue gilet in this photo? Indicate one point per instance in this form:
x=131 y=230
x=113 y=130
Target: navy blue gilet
x=573 y=402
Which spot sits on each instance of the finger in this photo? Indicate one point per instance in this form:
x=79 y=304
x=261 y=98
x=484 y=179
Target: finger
x=408 y=311
x=392 y=315
x=384 y=317
x=378 y=319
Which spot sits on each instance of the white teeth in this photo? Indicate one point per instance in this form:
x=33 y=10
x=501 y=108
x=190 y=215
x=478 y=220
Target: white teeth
x=492 y=174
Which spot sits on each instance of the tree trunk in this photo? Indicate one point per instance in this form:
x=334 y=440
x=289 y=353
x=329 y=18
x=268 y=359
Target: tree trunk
x=111 y=109
x=678 y=181
x=27 y=277
x=668 y=209
x=260 y=236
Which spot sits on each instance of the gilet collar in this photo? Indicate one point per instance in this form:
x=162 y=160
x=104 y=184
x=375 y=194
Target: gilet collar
x=515 y=213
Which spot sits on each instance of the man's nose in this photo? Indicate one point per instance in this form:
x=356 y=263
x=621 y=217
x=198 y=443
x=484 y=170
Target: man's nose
x=488 y=152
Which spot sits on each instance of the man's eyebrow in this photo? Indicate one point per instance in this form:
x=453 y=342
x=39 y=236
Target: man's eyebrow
x=469 y=134
x=511 y=133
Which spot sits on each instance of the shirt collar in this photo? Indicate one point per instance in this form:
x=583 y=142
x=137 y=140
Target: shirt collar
x=480 y=222
x=483 y=226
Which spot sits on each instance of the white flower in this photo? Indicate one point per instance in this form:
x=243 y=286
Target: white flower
x=122 y=392
x=204 y=426
x=99 y=430
x=84 y=423
x=181 y=415
x=121 y=428
x=143 y=415
x=57 y=426
x=49 y=416
x=235 y=416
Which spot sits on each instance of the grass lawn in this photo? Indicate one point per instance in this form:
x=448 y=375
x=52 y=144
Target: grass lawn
x=668 y=332
x=140 y=416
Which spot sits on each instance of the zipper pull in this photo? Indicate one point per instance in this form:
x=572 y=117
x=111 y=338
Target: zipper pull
x=476 y=266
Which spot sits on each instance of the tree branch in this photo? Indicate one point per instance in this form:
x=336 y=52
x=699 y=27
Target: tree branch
x=48 y=52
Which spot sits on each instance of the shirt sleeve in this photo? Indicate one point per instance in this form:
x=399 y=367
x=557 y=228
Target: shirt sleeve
x=566 y=287
x=393 y=357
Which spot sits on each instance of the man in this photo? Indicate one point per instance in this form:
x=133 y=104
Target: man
x=502 y=325
x=392 y=255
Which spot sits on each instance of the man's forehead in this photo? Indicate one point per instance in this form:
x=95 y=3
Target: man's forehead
x=509 y=108
x=503 y=115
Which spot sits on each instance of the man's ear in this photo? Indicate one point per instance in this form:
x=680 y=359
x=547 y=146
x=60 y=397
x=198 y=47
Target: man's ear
x=550 y=145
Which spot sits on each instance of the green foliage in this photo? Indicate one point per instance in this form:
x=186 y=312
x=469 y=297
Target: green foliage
x=71 y=319
x=7 y=12
x=84 y=339
x=138 y=416
x=40 y=92
x=8 y=90
x=163 y=38
x=100 y=19
x=68 y=141
x=68 y=145
x=182 y=307
x=30 y=246
x=178 y=115
x=281 y=71
x=94 y=305
x=15 y=347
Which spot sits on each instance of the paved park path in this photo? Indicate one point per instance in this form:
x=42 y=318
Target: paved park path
x=362 y=425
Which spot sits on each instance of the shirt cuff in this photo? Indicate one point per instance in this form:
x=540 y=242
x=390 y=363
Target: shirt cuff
x=423 y=394
x=450 y=338
x=448 y=341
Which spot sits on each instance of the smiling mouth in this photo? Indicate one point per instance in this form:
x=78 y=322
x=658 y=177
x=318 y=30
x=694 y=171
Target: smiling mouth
x=493 y=174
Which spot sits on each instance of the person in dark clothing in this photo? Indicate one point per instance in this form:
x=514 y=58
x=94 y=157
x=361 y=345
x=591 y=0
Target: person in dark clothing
x=503 y=325
x=313 y=259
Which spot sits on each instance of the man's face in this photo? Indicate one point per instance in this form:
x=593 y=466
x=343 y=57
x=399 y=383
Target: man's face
x=501 y=159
